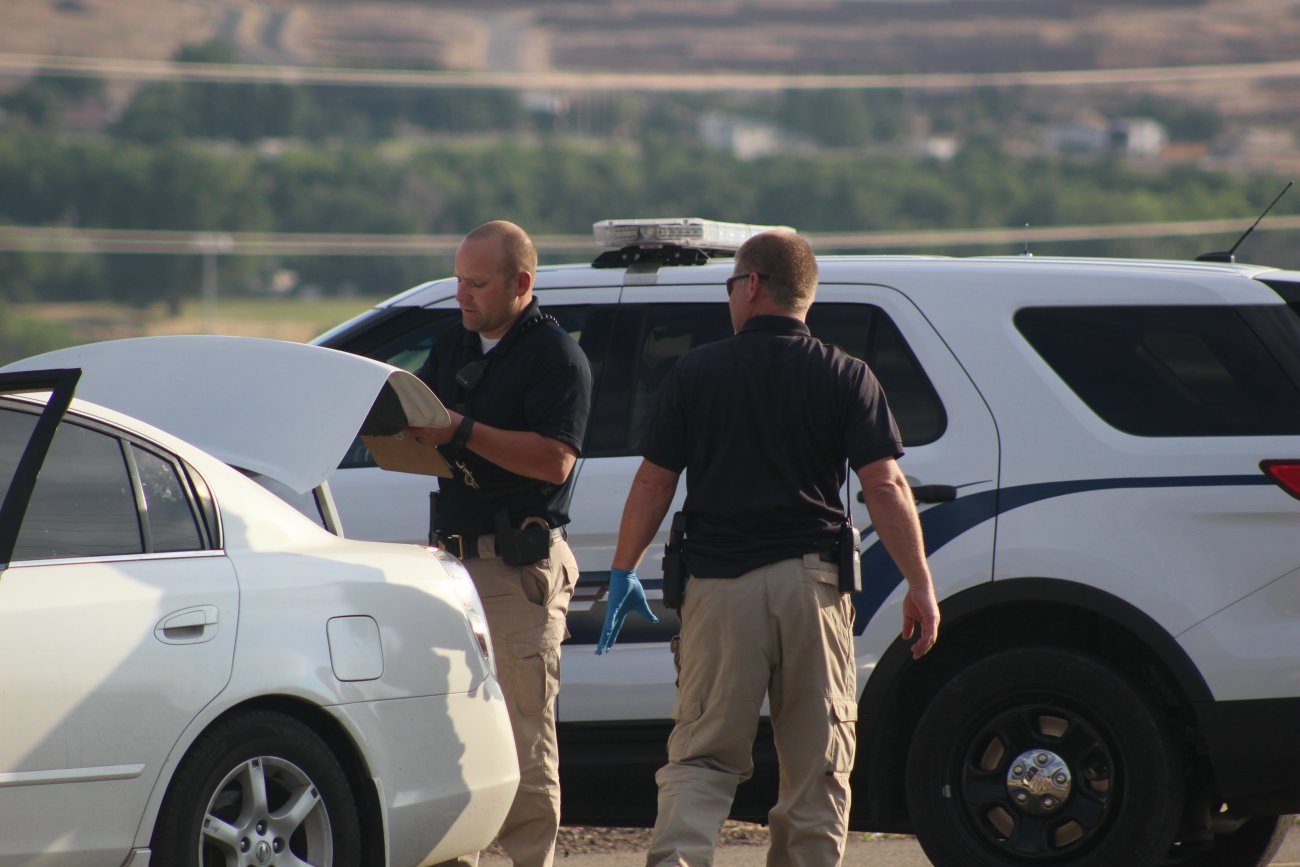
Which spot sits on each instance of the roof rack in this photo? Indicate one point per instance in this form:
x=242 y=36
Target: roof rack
x=669 y=241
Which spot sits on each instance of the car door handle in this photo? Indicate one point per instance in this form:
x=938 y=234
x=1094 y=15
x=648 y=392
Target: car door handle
x=188 y=626
x=927 y=494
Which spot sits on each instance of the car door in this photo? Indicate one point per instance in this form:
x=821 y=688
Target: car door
x=117 y=626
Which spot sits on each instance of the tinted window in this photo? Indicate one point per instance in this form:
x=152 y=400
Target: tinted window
x=1176 y=371
x=404 y=339
x=647 y=341
x=400 y=336
x=171 y=520
x=83 y=504
x=15 y=430
x=866 y=332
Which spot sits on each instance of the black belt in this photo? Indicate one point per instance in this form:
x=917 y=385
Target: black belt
x=466 y=547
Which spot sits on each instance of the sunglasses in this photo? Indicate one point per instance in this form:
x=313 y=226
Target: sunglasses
x=734 y=277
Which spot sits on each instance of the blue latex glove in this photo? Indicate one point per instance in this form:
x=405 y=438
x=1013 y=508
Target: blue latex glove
x=626 y=596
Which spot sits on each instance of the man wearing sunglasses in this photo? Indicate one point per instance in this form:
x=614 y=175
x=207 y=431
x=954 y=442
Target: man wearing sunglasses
x=766 y=425
x=519 y=391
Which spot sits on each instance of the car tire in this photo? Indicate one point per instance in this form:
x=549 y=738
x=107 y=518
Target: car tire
x=1252 y=845
x=258 y=781
x=1047 y=757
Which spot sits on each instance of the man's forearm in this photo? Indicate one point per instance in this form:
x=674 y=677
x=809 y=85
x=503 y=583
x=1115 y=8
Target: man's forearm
x=523 y=453
x=647 y=503
x=895 y=521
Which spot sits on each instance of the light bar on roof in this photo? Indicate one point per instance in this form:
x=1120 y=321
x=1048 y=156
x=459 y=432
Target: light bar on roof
x=678 y=231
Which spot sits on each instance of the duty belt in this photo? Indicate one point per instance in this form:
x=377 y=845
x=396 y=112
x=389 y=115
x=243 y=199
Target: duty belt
x=468 y=547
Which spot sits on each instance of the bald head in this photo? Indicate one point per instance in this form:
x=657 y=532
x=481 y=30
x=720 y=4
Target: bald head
x=787 y=262
x=518 y=253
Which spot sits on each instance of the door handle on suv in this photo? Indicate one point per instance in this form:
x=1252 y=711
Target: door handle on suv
x=927 y=494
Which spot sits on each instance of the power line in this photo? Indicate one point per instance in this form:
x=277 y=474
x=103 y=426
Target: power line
x=665 y=82
x=62 y=239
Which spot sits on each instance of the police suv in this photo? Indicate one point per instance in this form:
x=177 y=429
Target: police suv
x=1106 y=457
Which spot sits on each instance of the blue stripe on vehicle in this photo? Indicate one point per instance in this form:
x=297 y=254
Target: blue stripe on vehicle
x=946 y=521
x=940 y=523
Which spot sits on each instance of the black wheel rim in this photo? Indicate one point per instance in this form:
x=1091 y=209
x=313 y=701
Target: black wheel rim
x=1038 y=783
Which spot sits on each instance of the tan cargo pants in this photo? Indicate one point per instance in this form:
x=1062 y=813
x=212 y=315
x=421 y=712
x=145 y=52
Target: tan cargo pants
x=526 y=607
x=784 y=631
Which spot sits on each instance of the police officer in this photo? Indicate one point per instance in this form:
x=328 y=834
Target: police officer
x=519 y=391
x=764 y=424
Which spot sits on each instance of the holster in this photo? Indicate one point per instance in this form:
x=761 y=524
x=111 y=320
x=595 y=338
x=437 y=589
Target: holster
x=675 y=573
x=850 y=559
x=521 y=546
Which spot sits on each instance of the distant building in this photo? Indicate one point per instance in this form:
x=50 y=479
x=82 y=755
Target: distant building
x=744 y=139
x=1139 y=137
x=1132 y=137
x=1087 y=137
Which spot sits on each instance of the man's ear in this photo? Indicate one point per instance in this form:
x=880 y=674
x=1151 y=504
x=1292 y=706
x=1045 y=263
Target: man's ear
x=523 y=283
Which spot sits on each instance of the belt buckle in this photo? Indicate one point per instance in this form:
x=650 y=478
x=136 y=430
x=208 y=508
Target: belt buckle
x=459 y=553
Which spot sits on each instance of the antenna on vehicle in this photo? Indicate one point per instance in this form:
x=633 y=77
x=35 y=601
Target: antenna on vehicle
x=1229 y=254
x=1026 y=252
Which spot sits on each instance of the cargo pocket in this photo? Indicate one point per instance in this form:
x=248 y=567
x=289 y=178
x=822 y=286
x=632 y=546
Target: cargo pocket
x=844 y=736
x=687 y=709
x=534 y=676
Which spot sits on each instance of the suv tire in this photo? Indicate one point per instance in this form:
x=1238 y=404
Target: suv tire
x=1043 y=756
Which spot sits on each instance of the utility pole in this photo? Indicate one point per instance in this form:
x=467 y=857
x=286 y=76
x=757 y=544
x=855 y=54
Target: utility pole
x=212 y=246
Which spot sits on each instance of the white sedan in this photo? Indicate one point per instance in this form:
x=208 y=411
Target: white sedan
x=195 y=672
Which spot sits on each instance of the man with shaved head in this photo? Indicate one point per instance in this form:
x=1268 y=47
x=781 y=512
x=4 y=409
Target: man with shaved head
x=766 y=424
x=519 y=391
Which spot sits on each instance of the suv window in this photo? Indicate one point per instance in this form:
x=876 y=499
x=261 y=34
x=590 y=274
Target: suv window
x=654 y=336
x=648 y=340
x=866 y=332
x=1176 y=371
x=403 y=339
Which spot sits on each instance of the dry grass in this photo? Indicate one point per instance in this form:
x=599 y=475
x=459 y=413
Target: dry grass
x=288 y=319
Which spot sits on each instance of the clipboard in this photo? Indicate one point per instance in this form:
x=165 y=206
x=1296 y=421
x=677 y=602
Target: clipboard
x=402 y=454
x=421 y=408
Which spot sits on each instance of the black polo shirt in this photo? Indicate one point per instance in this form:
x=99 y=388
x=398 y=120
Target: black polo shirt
x=763 y=423
x=536 y=379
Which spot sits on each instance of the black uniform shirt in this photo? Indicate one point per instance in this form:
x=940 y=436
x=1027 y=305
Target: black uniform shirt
x=763 y=423
x=536 y=379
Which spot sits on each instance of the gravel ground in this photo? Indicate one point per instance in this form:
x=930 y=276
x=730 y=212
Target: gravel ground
x=587 y=843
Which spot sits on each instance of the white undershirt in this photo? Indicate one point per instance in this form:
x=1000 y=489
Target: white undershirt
x=488 y=343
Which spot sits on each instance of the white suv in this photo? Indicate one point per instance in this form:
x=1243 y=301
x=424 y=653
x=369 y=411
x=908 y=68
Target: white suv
x=1107 y=459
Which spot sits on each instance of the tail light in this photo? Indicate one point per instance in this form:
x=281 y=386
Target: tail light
x=468 y=596
x=1285 y=473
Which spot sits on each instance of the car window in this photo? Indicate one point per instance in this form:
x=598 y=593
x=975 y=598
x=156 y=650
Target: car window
x=404 y=339
x=83 y=504
x=15 y=430
x=1174 y=371
x=647 y=340
x=866 y=332
x=170 y=514
x=653 y=337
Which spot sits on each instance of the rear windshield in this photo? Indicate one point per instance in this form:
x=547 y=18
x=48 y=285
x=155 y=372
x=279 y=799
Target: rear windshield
x=1177 y=371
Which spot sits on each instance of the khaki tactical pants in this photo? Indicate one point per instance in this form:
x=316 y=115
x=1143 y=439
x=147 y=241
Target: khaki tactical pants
x=526 y=607
x=784 y=631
